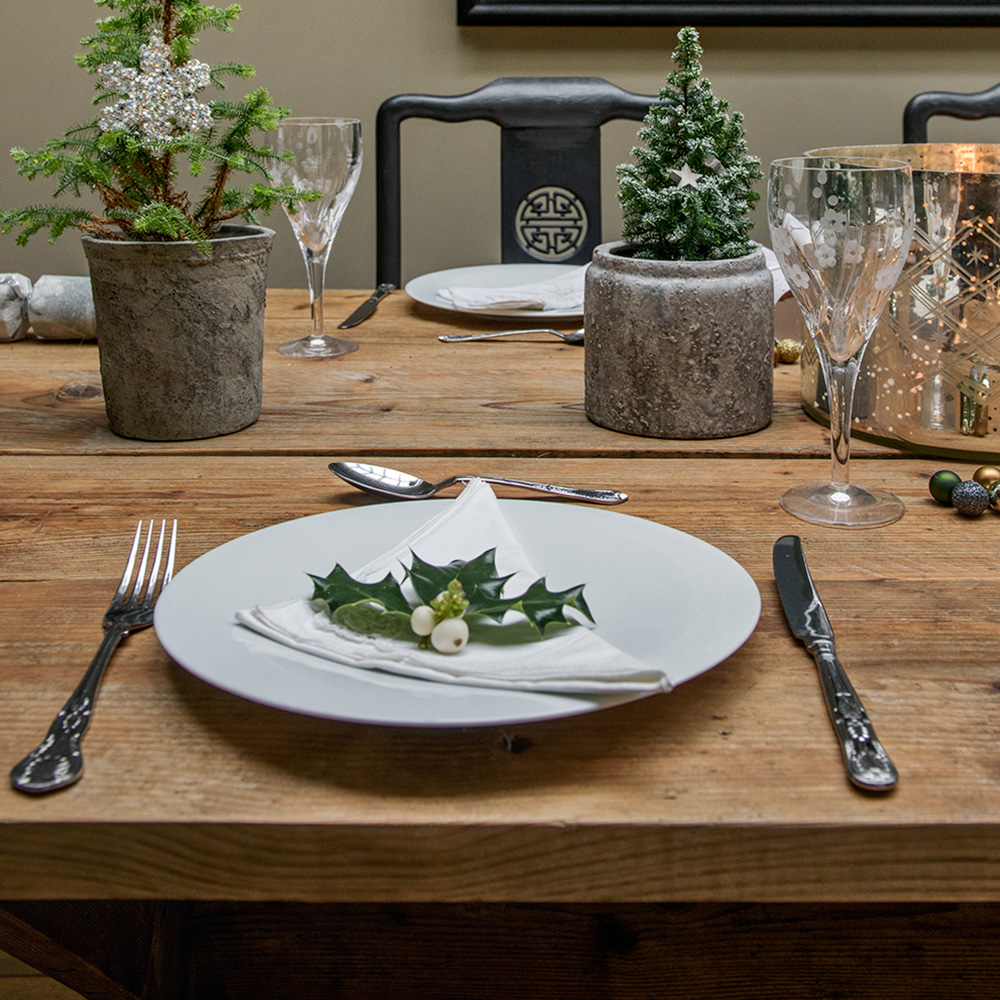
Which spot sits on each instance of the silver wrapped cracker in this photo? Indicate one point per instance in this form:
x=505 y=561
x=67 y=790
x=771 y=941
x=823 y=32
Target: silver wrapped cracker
x=14 y=292
x=61 y=307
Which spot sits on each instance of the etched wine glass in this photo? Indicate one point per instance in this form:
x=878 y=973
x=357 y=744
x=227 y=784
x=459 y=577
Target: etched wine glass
x=841 y=229
x=326 y=157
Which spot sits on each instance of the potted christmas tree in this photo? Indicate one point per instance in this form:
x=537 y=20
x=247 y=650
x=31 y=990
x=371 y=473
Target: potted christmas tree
x=679 y=315
x=178 y=288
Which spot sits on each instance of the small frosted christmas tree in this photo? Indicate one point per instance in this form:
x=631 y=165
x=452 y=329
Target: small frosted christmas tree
x=689 y=194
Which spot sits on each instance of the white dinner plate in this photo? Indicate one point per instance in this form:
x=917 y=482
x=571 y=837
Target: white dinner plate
x=663 y=596
x=425 y=288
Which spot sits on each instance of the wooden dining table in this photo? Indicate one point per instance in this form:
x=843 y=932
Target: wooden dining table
x=699 y=843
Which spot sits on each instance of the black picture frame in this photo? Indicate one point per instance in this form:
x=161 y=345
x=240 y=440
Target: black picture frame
x=729 y=12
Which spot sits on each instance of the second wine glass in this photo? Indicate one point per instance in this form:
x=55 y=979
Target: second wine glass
x=841 y=230
x=325 y=158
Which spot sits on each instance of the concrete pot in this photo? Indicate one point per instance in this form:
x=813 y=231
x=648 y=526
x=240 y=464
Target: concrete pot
x=679 y=349
x=181 y=335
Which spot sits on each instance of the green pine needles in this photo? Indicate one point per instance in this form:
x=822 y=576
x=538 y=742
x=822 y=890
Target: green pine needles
x=151 y=117
x=689 y=194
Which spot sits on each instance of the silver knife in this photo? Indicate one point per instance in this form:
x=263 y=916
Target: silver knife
x=868 y=765
x=367 y=307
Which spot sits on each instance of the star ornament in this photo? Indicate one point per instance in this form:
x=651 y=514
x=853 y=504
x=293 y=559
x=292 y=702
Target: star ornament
x=158 y=98
x=685 y=177
x=688 y=177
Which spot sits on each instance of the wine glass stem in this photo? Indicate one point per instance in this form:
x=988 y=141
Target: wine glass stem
x=316 y=268
x=841 y=379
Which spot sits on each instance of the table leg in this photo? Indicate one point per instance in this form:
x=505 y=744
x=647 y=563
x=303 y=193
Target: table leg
x=107 y=949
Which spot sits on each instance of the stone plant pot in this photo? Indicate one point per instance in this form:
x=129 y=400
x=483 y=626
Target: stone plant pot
x=181 y=335
x=679 y=349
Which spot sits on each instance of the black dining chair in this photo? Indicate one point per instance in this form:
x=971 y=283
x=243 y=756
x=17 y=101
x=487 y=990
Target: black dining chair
x=549 y=162
x=982 y=104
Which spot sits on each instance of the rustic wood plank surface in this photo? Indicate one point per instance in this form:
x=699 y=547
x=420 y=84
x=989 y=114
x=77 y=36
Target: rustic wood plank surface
x=736 y=767
x=728 y=790
x=403 y=391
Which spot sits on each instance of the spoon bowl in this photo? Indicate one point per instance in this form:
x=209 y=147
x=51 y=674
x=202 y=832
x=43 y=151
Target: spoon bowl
x=402 y=486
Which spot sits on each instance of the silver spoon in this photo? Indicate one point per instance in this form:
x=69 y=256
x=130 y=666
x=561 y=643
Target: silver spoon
x=576 y=337
x=390 y=483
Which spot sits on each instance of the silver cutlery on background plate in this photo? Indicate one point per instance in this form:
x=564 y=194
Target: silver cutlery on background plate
x=367 y=307
x=868 y=765
x=576 y=337
x=57 y=761
x=402 y=486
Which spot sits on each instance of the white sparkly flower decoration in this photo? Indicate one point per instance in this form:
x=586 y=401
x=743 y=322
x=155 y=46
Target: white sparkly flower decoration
x=158 y=98
x=885 y=277
x=834 y=221
x=825 y=254
x=853 y=251
x=797 y=276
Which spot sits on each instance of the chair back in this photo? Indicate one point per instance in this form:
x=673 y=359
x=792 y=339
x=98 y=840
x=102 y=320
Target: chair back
x=982 y=104
x=549 y=162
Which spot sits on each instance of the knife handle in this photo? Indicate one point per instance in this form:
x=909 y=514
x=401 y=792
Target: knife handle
x=868 y=765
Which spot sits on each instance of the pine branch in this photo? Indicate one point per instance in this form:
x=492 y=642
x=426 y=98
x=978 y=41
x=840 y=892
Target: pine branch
x=133 y=170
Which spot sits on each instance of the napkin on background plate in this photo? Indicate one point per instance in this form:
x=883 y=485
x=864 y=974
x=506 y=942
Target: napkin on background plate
x=781 y=286
x=563 y=293
x=571 y=660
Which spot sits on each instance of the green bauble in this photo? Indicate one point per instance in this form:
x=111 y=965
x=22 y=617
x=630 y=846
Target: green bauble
x=941 y=485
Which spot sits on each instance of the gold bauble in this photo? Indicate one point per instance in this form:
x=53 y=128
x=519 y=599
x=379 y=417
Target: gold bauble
x=987 y=475
x=788 y=351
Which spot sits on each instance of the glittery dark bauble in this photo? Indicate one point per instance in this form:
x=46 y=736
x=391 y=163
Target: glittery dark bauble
x=994 y=492
x=970 y=498
x=941 y=485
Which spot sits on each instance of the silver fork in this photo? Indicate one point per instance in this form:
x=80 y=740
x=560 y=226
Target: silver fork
x=57 y=761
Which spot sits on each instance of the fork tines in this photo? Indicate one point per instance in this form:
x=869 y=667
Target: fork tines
x=157 y=557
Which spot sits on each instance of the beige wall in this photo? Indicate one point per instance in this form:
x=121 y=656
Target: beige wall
x=798 y=88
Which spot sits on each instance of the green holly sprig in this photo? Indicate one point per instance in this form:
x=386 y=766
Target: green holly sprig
x=448 y=596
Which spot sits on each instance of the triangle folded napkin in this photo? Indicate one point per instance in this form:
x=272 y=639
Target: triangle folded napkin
x=572 y=660
x=563 y=293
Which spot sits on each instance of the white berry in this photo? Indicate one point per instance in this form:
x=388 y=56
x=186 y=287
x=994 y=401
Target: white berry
x=450 y=635
x=422 y=620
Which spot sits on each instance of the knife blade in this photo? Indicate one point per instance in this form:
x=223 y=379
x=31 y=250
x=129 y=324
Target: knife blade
x=367 y=307
x=868 y=765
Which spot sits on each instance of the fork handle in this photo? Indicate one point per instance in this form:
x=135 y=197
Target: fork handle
x=57 y=761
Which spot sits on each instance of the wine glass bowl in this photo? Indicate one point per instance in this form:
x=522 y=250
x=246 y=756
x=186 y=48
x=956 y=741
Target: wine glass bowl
x=321 y=158
x=841 y=229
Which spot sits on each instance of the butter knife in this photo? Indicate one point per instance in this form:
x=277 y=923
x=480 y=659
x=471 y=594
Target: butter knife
x=367 y=307
x=868 y=765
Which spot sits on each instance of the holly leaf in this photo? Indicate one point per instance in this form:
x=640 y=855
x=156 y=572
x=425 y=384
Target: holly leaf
x=338 y=588
x=543 y=607
x=380 y=606
x=478 y=577
x=371 y=619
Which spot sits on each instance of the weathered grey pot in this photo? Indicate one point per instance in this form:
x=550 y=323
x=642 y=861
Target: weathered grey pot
x=679 y=349
x=181 y=335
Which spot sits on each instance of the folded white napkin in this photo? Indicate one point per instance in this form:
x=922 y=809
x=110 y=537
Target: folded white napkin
x=571 y=660
x=564 y=293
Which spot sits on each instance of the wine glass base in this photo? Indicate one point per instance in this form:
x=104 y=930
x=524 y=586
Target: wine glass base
x=317 y=347
x=843 y=506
